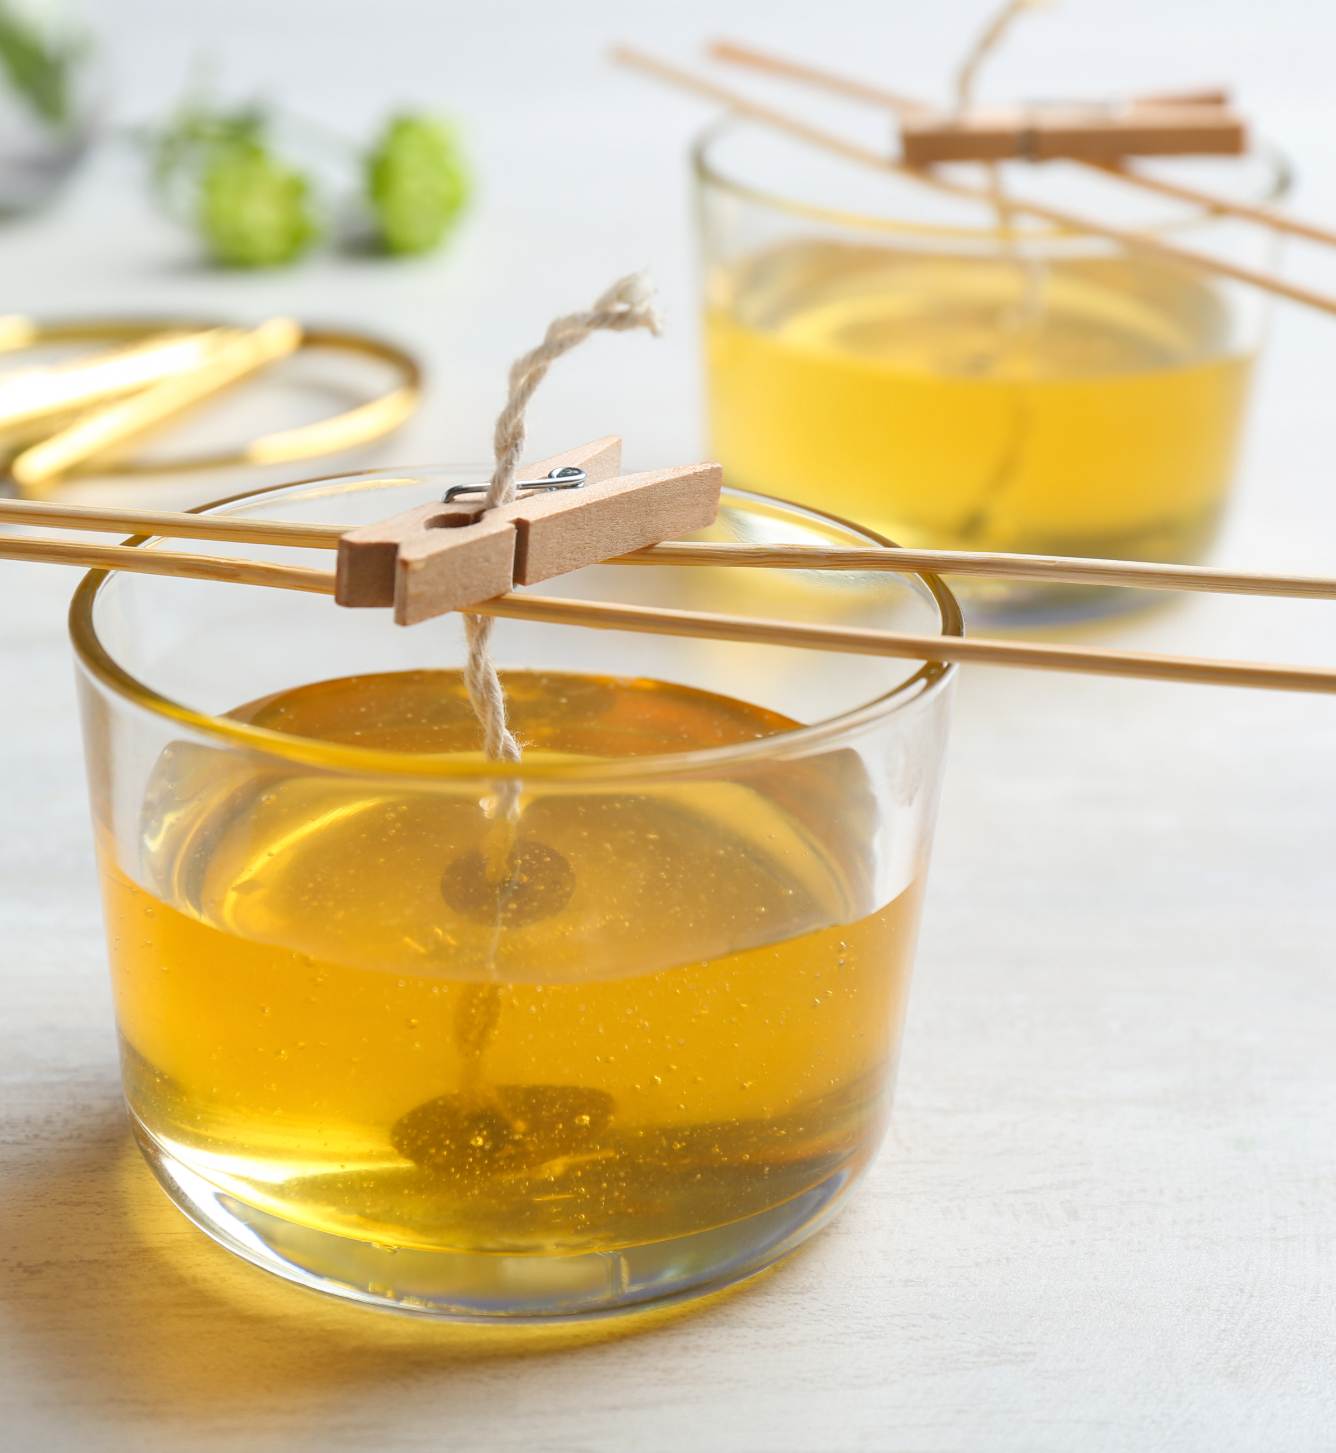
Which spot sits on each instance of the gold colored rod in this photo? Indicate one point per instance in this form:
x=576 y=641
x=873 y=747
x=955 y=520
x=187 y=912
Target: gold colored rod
x=16 y=332
x=118 y=423
x=1070 y=570
x=865 y=156
x=705 y=625
x=370 y=420
x=853 y=89
x=29 y=394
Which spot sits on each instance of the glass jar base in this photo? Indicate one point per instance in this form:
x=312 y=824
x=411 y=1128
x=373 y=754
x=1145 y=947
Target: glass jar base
x=494 y=1286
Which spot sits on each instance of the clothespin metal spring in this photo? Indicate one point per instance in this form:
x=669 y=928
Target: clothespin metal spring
x=571 y=477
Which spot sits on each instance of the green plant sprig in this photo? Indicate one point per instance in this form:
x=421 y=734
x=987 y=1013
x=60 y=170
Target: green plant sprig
x=39 y=69
x=222 y=171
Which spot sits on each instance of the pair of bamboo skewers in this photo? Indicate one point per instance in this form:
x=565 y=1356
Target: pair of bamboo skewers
x=899 y=107
x=710 y=625
x=705 y=624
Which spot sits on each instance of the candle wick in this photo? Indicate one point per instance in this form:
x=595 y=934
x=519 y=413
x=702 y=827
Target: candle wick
x=626 y=305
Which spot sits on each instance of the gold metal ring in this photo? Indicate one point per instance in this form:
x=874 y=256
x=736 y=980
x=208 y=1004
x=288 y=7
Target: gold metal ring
x=358 y=425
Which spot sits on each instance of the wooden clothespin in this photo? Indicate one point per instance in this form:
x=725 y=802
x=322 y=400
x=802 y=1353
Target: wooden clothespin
x=1186 y=124
x=574 y=510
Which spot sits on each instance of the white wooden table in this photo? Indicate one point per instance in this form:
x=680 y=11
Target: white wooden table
x=1106 y=1216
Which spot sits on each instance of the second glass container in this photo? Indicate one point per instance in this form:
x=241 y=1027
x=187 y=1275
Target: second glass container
x=878 y=349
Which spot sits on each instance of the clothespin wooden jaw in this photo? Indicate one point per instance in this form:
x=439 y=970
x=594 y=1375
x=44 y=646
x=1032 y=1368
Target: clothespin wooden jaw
x=1200 y=124
x=447 y=556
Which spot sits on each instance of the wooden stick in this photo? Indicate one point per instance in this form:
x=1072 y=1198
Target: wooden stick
x=170 y=525
x=1071 y=570
x=860 y=641
x=222 y=568
x=1209 y=201
x=837 y=84
x=908 y=107
x=709 y=626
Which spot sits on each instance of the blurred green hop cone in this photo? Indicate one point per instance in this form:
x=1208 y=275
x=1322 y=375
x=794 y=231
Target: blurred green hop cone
x=254 y=211
x=416 y=183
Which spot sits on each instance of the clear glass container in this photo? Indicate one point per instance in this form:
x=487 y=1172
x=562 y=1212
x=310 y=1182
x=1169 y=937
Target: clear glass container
x=633 y=1041
x=880 y=349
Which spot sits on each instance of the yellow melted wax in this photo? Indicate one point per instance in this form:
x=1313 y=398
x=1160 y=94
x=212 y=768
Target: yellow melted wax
x=939 y=401
x=682 y=1014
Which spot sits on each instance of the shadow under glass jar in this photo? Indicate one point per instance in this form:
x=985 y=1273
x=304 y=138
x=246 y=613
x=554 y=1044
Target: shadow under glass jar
x=881 y=350
x=632 y=1040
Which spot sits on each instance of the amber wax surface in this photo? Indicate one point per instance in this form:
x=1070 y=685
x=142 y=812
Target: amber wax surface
x=633 y=1011
x=1088 y=406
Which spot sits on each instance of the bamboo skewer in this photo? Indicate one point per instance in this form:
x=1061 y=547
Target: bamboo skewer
x=1060 y=569
x=907 y=106
x=228 y=570
x=1209 y=201
x=861 y=641
x=170 y=524
x=731 y=52
x=865 y=156
x=707 y=625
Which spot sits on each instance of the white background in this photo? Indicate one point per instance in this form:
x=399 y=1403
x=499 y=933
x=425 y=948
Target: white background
x=1104 y=1218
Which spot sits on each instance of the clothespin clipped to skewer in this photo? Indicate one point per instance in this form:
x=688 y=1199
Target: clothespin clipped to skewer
x=574 y=509
x=1183 y=124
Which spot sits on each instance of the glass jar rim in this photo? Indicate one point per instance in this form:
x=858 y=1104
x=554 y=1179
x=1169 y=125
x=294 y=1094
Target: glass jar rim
x=1280 y=181
x=97 y=659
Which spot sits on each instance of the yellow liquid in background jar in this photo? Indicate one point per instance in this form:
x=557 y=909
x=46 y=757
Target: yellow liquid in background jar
x=683 y=1014
x=941 y=403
